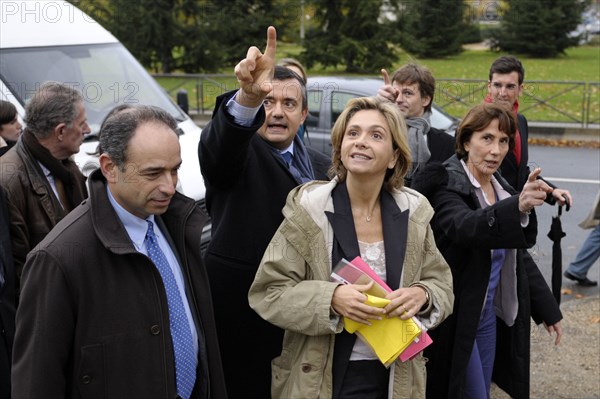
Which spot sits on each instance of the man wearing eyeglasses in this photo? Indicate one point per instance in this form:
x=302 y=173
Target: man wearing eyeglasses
x=251 y=158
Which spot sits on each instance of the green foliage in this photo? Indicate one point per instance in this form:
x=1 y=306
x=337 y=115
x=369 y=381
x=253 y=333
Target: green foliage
x=349 y=33
x=471 y=34
x=539 y=28
x=190 y=35
x=431 y=28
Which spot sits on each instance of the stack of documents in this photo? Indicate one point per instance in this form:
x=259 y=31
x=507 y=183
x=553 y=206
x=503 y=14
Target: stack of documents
x=388 y=337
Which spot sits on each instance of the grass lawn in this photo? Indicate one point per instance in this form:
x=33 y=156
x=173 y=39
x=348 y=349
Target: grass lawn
x=566 y=99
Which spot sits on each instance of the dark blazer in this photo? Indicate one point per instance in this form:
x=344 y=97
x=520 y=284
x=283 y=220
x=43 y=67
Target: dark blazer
x=246 y=188
x=93 y=320
x=7 y=299
x=465 y=233
x=395 y=229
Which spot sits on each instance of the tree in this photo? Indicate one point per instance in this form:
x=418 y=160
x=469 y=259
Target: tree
x=431 y=28
x=350 y=33
x=148 y=28
x=538 y=28
x=190 y=35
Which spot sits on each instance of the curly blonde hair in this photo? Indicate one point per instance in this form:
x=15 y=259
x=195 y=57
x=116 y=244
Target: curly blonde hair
x=394 y=178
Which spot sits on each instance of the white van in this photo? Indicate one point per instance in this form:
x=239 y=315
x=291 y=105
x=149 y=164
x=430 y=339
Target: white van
x=54 y=40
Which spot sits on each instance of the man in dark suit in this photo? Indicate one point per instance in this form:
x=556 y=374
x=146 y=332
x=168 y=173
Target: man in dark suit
x=412 y=89
x=251 y=158
x=7 y=299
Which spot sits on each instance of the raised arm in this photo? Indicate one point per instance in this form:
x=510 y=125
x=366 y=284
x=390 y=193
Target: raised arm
x=255 y=72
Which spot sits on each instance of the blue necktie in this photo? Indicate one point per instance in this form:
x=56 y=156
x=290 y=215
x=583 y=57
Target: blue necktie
x=287 y=157
x=185 y=358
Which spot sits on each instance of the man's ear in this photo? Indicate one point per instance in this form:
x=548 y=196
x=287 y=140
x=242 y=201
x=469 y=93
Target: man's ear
x=109 y=168
x=425 y=101
x=59 y=131
x=304 y=115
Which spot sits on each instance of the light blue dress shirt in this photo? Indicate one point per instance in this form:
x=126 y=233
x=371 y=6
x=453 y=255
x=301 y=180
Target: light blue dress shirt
x=136 y=229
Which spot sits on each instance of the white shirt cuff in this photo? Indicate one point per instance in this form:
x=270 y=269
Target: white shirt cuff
x=242 y=115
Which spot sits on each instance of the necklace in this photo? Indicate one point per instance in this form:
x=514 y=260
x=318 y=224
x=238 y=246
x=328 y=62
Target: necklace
x=367 y=215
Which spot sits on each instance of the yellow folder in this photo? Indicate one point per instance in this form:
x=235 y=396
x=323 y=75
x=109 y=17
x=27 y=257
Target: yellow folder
x=387 y=337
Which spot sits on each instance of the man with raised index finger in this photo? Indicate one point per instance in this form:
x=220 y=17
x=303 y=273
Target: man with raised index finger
x=412 y=88
x=251 y=158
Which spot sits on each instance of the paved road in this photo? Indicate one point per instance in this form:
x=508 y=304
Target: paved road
x=577 y=170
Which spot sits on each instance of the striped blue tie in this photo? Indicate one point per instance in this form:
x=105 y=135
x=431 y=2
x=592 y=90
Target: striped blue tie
x=185 y=359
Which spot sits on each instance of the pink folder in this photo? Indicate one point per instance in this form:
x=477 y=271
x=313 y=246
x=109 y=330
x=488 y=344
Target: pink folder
x=420 y=343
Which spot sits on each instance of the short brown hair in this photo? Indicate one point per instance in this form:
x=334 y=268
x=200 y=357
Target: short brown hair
x=505 y=65
x=7 y=112
x=478 y=118
x=394 y=178
x=417 y=74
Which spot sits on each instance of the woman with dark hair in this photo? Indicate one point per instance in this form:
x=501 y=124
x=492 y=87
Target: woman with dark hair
x=364 y=211
x=482 y=227
x=10 y=128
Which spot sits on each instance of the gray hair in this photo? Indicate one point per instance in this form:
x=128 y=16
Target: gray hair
x=52 y=104
x=118 y=129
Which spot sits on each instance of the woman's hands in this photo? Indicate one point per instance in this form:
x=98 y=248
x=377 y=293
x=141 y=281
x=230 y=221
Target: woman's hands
x=406 y=302
x=349 y=301
x=534 y=192
x=555 y=328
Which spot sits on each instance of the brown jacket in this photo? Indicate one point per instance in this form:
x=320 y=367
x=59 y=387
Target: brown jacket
x=33 y=207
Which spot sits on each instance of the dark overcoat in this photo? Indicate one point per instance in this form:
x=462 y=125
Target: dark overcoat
x=7 y=299
x=441 y=145
x=466 y=234
x=246 y=188
x=93 y=320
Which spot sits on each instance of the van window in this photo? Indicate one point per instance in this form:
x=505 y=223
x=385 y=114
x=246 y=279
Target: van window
x=106 y=74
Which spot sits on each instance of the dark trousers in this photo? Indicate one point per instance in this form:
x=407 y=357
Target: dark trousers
x=364 y=379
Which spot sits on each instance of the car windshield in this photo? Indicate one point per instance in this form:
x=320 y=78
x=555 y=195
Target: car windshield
x=106 y=74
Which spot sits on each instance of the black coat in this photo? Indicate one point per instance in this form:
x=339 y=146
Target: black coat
x=465 y=234
x=441 y=145
x=93 y=320
x=246 y=188
x=7 y=299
